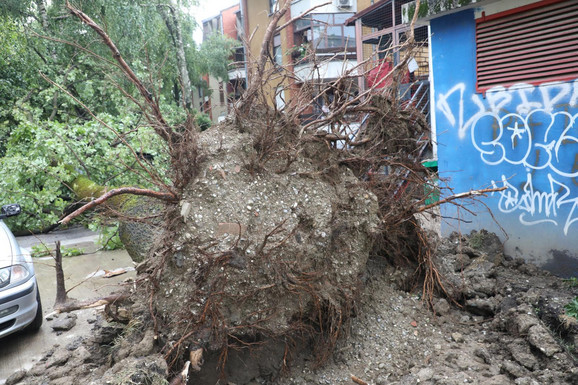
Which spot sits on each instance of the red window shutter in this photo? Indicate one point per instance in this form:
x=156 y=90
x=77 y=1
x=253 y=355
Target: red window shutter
x=532 y=44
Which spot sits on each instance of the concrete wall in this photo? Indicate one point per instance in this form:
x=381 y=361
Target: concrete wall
x=523 y=137
x=300 y=6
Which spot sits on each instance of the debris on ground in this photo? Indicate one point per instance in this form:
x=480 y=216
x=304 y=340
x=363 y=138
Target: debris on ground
x=509 y=329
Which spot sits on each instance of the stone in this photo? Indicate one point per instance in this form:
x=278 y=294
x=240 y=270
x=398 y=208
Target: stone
x=458 y=337
x=16 y=377
x=442 y=307
x=64 y=324
x=539 y=337
x=425 y=374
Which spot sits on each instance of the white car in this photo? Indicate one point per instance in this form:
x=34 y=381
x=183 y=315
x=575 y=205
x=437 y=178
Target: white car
x=20 y=306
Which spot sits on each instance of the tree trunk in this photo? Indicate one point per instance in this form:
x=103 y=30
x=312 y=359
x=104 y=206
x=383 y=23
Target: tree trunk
x=174 y=27
x=61 y=296
x=42 y=13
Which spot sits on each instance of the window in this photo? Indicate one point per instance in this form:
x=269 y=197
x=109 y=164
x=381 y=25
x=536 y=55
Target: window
x=533 y=44
x=277 y=53
x=326 y=32
x=221 y=94
x=272 y=6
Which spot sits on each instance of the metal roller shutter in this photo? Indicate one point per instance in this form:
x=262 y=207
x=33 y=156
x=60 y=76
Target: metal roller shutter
x=532 y=44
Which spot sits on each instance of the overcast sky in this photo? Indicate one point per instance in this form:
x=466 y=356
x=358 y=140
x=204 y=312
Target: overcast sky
x=206 y=9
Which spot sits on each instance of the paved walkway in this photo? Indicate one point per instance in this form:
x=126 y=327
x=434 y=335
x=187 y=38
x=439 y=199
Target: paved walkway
x=78 y=237
x=84 y=273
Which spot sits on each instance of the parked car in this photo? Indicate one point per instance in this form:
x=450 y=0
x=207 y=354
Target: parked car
x=20 y=306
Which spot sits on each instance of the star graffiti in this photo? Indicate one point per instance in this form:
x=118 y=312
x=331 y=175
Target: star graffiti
x=517 y=133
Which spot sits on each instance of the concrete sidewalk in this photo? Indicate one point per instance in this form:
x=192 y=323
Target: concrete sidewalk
x=84 y=273
x=76 y=237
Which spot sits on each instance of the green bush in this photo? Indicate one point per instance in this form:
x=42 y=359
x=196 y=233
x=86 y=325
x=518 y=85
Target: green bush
x=572 y=308
x=42 y=161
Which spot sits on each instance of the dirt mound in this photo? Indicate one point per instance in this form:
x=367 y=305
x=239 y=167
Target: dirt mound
x=263 y=249
x=507 y=325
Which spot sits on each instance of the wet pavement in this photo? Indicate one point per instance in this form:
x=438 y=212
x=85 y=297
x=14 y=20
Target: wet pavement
x=22 y=350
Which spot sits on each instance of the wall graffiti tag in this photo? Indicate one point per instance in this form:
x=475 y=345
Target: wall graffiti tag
x=532 y=130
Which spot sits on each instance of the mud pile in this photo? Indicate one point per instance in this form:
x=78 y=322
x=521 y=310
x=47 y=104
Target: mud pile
x=273 y=253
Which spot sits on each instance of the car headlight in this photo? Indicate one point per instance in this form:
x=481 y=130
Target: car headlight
x=13 y=275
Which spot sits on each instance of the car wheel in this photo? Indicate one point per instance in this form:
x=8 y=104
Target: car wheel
x=37 y=323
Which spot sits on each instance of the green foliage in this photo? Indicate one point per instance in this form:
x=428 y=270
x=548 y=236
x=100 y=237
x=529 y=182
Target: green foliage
x=42 y=161
x=572 y=282
x=40 y=251
x=572 y=308
x=108 y=236
x=71 y=251
x=213 y=54
x=203 y=121
x=48 y=140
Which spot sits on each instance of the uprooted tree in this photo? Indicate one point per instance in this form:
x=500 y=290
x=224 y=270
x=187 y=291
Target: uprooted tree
x=267 y=223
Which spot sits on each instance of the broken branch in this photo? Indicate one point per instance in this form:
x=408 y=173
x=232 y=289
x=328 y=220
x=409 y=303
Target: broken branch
x=169 y=196
x=466 y=194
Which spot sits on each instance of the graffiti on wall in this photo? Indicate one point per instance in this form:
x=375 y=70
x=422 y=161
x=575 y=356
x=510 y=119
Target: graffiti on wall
x=533 y=130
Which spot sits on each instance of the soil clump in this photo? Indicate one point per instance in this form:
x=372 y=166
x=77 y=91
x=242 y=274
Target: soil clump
x=507 y=327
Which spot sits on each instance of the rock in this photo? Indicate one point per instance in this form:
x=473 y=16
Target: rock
x=64 y=324
x=425 y=374
x=457 y=337
x=539 y=337
x=481 y=306
x=16 y=377
x=146 y=345
x=442 y=307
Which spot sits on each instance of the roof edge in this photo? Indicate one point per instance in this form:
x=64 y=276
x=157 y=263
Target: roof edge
x=431 y=9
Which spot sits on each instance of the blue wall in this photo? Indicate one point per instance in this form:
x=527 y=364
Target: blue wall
x=524 y=137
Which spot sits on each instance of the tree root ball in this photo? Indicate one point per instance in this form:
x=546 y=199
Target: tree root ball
x=267 y=254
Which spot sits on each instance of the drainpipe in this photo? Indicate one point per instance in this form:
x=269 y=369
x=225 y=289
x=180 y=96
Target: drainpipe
x=245 y=21
x=359 y=53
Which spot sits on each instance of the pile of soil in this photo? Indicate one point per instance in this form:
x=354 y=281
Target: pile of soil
x=507 y=326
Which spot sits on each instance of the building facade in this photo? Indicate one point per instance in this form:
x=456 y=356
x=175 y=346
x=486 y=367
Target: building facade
x=224 y=92
x=316 y=49
x=505 y=109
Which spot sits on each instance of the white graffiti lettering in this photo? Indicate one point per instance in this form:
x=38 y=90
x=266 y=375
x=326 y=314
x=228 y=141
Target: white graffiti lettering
x=514 y=141
x=500 y=99
x=530 y=127
x=537 y=207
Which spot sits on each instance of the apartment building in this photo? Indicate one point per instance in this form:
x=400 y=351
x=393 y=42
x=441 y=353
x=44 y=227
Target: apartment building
x=315 y=49
x=224 y=92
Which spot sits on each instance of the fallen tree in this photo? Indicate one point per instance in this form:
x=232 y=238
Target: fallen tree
x=269 y=223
